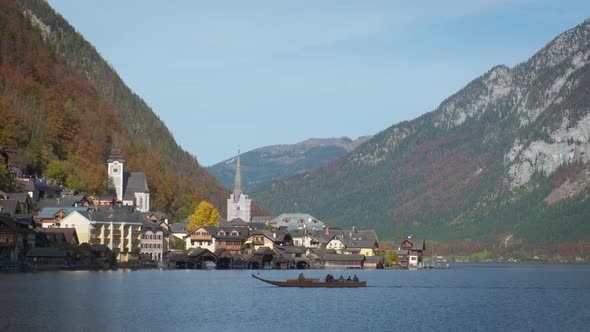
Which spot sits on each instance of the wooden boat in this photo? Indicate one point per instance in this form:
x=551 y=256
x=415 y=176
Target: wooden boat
x=310 y=282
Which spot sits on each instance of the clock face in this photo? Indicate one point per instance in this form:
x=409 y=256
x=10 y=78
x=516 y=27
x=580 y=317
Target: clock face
x=116 y=163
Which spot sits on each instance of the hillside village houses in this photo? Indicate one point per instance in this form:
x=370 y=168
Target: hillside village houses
x=78 y=231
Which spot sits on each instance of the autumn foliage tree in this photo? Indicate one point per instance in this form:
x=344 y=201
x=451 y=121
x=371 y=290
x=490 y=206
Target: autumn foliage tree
x=205 y=215
x=62 y=108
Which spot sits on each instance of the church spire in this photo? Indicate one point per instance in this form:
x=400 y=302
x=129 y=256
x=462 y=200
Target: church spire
x=238 y=181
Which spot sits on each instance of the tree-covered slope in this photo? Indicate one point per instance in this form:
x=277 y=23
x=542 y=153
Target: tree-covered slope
x=63 y=107
x=479 y=166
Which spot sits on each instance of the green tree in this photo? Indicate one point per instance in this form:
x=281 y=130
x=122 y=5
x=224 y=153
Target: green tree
x=391 y=258
x=205 y=215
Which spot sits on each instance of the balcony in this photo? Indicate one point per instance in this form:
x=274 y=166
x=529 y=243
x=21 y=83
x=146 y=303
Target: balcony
x=201 y=237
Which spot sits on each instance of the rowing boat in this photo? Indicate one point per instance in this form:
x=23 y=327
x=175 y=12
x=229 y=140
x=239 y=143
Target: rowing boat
x=311 y=282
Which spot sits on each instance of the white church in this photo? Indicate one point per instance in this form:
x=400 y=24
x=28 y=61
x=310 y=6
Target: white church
x=238 y=204
x=130 y=188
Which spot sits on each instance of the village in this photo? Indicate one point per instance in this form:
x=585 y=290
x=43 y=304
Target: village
x=49 y=227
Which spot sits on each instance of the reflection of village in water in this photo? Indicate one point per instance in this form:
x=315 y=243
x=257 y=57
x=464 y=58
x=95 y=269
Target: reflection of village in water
x=49 y=227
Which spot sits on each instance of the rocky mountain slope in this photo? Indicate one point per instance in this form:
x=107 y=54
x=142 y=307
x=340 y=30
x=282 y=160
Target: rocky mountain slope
x=278 y=162
x=506 y=155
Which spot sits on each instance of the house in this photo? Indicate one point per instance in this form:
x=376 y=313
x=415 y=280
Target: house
x=16 y=237
x=158 y=218
x=252 y=226
x=154 y=241
x=58 y=237
x=201 y=237
x=230 y=239
x=337 y=244
x=410 y=251
x=361 y=247
x=357 y=242
x=267 y=238
x=374 y=262
x=16 y=203
x=101 y=200
x=28 y=185
x=52 y=216
x=262 y=258
x=11 y=206
x=298 y=235
x=176 y=259
x=225 y=260
x=218 y=237
x=238 y=261
x=117 y=228
x=201 y=258
x=179 y=229
x=336 y=261
x=295 y=257
x=50 y=259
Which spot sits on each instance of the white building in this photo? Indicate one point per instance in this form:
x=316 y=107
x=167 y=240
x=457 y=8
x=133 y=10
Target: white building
x=238 y=204
x=131 y=188
x=120 y=232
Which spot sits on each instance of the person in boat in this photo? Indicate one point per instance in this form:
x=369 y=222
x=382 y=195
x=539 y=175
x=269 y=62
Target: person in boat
x=348 y=279
x=301 y=277
x=341 y=278
x=355 y=278
x=329 y=278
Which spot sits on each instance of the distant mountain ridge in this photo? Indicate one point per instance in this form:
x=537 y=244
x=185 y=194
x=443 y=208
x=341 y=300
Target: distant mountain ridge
x=278 y=162
x=481 y=166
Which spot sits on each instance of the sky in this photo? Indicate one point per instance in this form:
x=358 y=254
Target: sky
x=224 y=75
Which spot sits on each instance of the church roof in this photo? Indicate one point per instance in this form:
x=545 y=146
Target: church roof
x=116 y=154
x=238 y=180
x=134 y=182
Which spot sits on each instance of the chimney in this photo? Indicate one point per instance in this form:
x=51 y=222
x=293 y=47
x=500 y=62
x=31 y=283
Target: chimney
x=327 y=230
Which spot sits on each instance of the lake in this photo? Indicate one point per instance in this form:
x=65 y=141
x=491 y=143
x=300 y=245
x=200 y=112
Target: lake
x=467 y=297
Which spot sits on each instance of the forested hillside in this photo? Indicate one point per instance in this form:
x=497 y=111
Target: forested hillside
x=63 y=107
x=277 y=162
x=506 y=155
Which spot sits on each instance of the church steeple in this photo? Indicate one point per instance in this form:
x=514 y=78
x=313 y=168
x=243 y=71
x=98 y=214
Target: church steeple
x=238 y=203
x=238 y=181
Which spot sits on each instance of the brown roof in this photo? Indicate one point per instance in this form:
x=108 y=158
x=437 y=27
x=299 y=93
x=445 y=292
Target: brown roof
x=69 y=233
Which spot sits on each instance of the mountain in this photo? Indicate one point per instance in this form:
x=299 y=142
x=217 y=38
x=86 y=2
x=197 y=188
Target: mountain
x=63 y=109
x=278 y=162
x=506 y=157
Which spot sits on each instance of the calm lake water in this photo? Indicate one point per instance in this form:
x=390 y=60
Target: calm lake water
x=492 y=297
